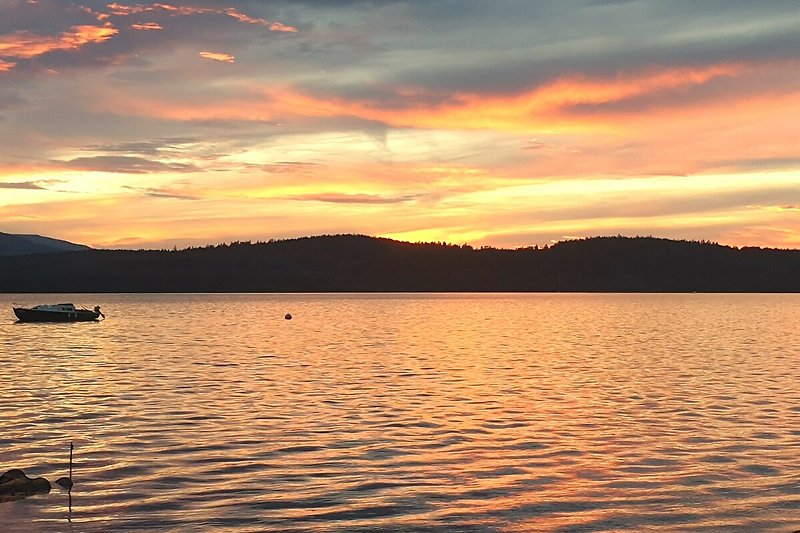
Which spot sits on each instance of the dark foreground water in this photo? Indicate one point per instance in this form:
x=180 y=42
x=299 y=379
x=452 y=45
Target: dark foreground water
x=557 y=412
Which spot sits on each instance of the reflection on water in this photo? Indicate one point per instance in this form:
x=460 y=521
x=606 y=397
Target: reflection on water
x=561 y=412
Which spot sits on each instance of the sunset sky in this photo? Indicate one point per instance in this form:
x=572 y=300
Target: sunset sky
x=490 y=122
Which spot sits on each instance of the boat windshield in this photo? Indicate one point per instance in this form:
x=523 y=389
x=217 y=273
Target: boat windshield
x=64 y=308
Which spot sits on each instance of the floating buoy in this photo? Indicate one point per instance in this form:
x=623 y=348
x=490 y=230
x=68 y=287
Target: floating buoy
x=288 y=316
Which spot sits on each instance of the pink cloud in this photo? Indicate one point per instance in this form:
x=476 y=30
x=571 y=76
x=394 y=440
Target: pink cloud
x=279 y=26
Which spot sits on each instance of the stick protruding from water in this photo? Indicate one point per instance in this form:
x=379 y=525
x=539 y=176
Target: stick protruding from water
x=66 y=482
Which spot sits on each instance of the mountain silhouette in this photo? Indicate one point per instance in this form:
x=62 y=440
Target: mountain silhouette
x=11 y=244
x=357 y=263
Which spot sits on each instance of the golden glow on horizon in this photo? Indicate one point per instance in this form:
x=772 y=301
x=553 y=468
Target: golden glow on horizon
x=562 y=208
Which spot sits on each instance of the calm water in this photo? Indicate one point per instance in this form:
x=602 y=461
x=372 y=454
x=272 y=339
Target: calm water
x=557 y=412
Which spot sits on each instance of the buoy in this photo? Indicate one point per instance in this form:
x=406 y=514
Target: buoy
x=288 y=316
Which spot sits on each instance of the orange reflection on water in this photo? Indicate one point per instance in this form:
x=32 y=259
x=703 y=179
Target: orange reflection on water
x=508 y=412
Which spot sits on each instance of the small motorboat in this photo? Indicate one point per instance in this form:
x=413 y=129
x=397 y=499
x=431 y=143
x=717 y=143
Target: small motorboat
x=56 y=313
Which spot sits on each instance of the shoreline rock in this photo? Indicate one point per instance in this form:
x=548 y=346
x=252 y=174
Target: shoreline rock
x=15 y=485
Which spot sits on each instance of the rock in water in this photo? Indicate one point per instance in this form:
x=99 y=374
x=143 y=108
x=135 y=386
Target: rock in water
x=64 y=482
x=14 y=484
x=12 y=475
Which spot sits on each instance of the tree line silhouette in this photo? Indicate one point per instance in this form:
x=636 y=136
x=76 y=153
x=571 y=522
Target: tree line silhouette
x=357 y=263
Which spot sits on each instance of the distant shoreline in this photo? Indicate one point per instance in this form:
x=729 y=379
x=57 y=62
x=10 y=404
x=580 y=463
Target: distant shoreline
x=360 y=264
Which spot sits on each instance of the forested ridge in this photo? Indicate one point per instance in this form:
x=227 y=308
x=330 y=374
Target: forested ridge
x=356 y=263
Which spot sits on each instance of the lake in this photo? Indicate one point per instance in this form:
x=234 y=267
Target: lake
x=407 y=412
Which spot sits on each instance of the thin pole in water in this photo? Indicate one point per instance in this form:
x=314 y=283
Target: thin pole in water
x=69 y=491
x=66 y=482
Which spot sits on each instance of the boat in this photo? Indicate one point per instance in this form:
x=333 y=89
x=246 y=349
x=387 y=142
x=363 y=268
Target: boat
x=57 y=313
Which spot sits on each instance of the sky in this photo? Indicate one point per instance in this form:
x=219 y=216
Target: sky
x=502 y=123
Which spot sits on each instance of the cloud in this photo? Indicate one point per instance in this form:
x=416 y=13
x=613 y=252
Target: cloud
x=218 y=56
x=292 y=167
x=161 y=192
x=119 y=27
x=759 y=163
x=147 y=26
x=572 y=99
x=26 y=45
x=533 y=53
x=125 y=165
x=598 y=3
x=20 y=185
x=169 y=145
x=335 y=198
x=384 y=116
x=537 y=144
x=173 y=10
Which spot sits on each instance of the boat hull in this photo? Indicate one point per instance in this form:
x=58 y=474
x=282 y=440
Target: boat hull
x=36 y=315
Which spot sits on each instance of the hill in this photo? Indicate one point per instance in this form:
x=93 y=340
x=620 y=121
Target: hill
x=11 y=244
x=354 y=263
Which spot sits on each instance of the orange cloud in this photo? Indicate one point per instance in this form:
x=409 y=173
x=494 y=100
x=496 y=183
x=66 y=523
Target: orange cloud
x=99 y=16
x=124 y=10
x=673 y=139
x=147 y=26
x=535 y=109
x=218 y=56
x=26 y=45
x=540 y=108
x=274 y=26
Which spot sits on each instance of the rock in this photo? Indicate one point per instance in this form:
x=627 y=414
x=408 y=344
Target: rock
x=288 y=316
x=14 y=484
x=64 y=482
x=12 y=475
